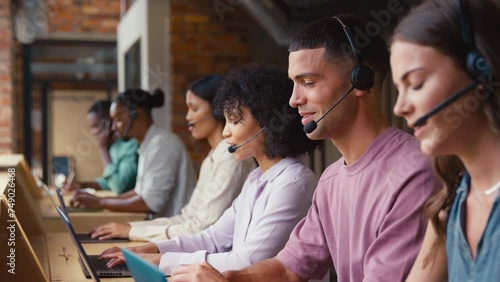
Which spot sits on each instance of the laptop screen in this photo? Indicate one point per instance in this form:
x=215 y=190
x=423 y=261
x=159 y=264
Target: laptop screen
x=46 y=190
x=141 y=270
x=78 y=245
x=66 y=209
x=61 y=200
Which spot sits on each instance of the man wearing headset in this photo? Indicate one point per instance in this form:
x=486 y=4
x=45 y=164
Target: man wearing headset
x=365 y=218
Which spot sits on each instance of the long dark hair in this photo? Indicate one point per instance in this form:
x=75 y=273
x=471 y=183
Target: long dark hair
x=206 y=88
x=436 y=23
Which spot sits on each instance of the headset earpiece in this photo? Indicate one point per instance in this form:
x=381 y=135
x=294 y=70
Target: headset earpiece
x=362 y=76
x=133 y=113
x=476 y=63
x=476 y=66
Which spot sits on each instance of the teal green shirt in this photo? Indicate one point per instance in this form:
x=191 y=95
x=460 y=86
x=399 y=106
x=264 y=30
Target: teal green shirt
x=120 y=175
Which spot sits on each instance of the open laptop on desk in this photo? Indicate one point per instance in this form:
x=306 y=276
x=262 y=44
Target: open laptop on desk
x=46 y=190
x=141 y=270
x=92 y=266
x=67 y=209
x=58 y=192
x=84 y=237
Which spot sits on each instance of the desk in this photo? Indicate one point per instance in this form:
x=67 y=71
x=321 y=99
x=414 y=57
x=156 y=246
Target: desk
x=19 y=261
x=36 y=212
x=82 y=221
x=35 y=217
x=60 y=270
x=71 y=271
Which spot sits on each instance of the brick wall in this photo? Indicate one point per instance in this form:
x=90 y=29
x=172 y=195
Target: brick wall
x=17 y=92
x=96 y=16
x=201 y=44
x=6 y=124
x=83 y=16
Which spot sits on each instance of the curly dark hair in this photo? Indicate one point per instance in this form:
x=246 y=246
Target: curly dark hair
x=265 y=91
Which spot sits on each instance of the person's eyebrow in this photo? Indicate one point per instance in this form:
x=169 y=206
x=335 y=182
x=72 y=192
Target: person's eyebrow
x=407 y=73
x=307 y=74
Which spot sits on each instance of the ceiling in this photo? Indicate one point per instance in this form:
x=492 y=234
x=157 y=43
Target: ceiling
x=283 y=18
x=308 y=10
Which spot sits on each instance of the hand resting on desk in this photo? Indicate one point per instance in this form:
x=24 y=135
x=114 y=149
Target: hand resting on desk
x=110 y=230
x=202 y=272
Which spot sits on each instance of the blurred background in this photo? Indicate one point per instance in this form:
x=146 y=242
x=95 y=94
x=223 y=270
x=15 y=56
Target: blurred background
x=57 y=57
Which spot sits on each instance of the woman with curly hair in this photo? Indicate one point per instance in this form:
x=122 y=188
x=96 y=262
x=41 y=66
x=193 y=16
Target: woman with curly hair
x=261 y=125
x=434 y=61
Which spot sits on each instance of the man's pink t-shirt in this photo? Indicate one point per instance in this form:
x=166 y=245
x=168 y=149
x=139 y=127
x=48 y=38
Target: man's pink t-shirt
x=366 y=217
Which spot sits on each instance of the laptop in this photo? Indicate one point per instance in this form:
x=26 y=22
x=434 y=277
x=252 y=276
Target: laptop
x=84 y=237
x=39 y=182
x=67 y=209
x=142 y=270
x=92 y=266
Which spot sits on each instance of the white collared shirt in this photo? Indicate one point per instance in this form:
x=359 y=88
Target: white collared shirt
x=221 y=179
x=255 y=227
x=165 y=173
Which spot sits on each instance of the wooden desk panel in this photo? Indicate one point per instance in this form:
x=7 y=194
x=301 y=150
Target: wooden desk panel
x=18 y=259
x=82 y=221
x=71 y=270
x=10 y=160
x=38 y=251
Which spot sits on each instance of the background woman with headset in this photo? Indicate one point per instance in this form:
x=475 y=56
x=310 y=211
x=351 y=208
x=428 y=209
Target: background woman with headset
x=165 y=174
x=119 y=157
x=220 y=181
x=445 y=59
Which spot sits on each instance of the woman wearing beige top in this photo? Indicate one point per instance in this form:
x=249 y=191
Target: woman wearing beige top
x=220 y=181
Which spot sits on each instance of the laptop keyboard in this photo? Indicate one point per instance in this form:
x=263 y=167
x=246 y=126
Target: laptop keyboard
x=100 y=265
x=83 y=236
x=102 y=270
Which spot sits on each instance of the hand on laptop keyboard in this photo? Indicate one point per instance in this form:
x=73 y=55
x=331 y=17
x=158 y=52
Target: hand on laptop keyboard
x=116 y=257
x=85 y=200
x=119 y=259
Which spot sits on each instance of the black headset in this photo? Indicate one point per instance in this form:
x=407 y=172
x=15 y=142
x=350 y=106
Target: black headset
x=103 y=120
x=362 y=76
x=132 y=111
x=476 y=63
